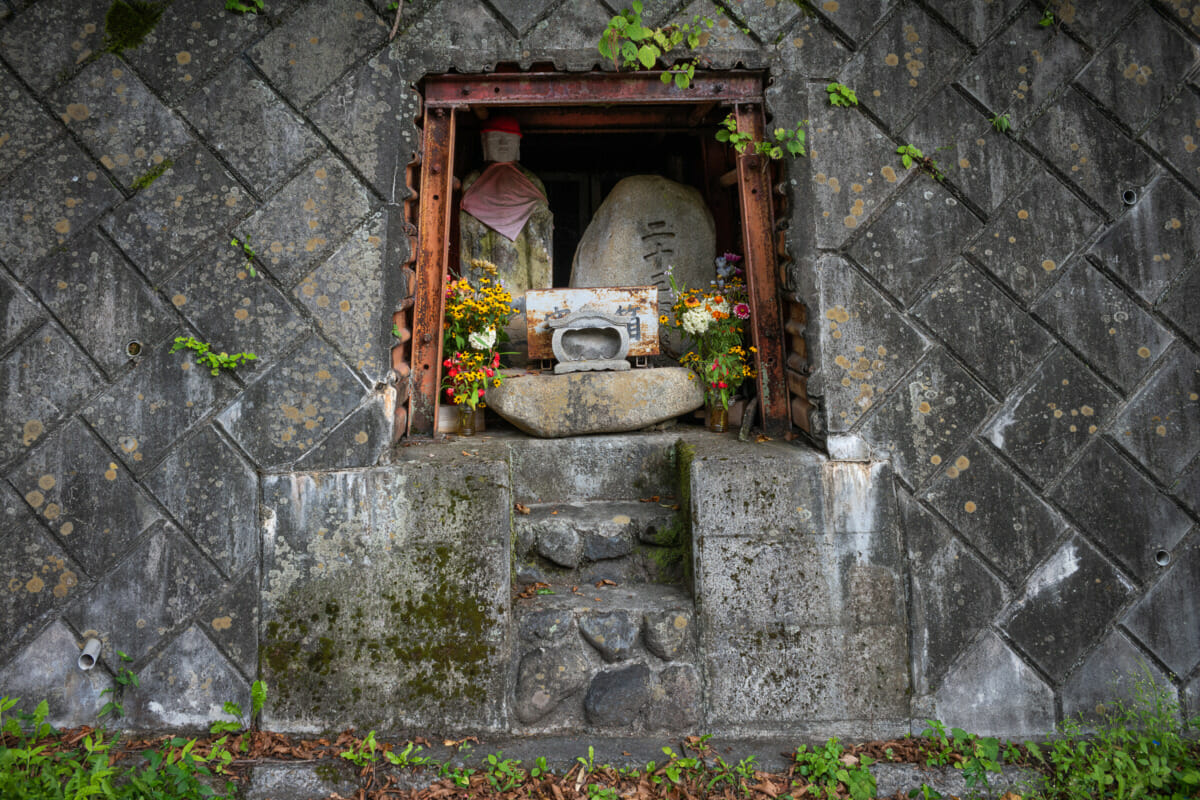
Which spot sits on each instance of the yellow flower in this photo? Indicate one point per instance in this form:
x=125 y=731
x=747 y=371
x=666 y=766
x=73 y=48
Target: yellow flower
x=662 y=319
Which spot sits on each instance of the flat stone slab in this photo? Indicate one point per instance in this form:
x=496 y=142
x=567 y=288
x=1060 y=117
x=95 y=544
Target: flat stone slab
x=553 y=406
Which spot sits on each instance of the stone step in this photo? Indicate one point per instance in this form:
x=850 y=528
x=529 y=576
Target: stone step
x=624 y=467
x=610 y=658
x=585 y=542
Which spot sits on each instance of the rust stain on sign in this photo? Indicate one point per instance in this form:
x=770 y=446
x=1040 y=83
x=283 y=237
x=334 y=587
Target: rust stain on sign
x=638 y=304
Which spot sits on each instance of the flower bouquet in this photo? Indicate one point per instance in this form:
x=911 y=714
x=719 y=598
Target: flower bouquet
x=714 y=320
x=476 y=313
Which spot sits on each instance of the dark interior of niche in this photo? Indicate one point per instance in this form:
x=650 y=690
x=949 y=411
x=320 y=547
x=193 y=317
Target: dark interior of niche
x=579 y=169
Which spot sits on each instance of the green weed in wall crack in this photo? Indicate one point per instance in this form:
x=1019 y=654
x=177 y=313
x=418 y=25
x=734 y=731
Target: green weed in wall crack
x=244 y=6
x=207 y=358
x=781 y=140
x=628 y=42
x=841 y=95
x=124 y=678
x=248 y=252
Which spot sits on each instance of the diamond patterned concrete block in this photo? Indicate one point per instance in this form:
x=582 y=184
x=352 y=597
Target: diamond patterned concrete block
x=1033 y=235
x=306 y=218
x=856 y=20
x=24 y=127
x=953 y=595
x=1187 y=488
x=975 y=21
x=192 y=204
x=906 y=61
x=213 y=493
x=57 y=195
x=316 y=45
x=231 y=620
x=1155 y=241
x=1100 y=321
x=149 y=595
x=261 y=137
x=88 y=499
x=359 y=441
x=186 y=686
x=854 y=168
x=45 y=377
x=1140 y=69
x=1179 y=305
x=126 y=127
x=462 y=33
x=1096 y=495
x=728 y=47
x=521 y=14
x=987 y=330
x=810 y=48
x=1167 y=618
x=1068 y=603
x=345 y=295
x=1056 y=412
x=1094 y=22
x=763 y=19
x=38 y=575
x=192 y=41
x=47 y=669
x=988 y=166
x=142 y=415
x=922 y=422
x=1161 y=425
x=1110 y=674
x=1021 y=69
x=1175 y=134
x=103 y=303
x=571 y=31
x=866 y=345
x=235 y=311
x=991 y=670
x=18 y=311
x=289 y=410
x=1186 y=11
x=46 y=42
x=1091 y=151
x=984 y=501
x=914 y=239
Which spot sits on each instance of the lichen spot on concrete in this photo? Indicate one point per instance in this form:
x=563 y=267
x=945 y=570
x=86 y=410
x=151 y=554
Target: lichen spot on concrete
x=830 y=5
x=891 y=59
x=52 y=511
x=1022 y=214
x=1161 y=430
x=222 y=623
x=67 y=528
x=35 y=498
x=322 y=374
x=1144 y=352
x=924 y=407
x=46 y=483
x=34 y=585
x=962 y=462
x=111 y=472
x=241 y=315
x=63 y=226
x=889 y=174
x=321 y=174
x=935 y=459
x=77 y=112
x=183 y=57
x=838 y=314
x=1049 y=266
x=969 y=507
x=952 y=472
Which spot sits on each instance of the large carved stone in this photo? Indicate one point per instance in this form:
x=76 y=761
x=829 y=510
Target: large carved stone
x=647 y=224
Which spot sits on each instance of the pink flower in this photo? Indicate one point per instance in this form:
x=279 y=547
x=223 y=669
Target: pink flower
x=489 y=372
x=742 y=311
x=449 y=392
x=447 y=363
x=495 y=360
x=732 y=258
x=481 y=392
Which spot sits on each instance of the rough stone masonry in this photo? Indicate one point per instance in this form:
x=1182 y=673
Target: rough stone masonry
x=997 y=514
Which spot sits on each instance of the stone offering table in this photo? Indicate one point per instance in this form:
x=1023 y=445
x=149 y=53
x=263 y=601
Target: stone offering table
x=553 y=406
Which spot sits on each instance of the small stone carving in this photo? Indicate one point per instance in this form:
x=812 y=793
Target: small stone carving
x=590 y=340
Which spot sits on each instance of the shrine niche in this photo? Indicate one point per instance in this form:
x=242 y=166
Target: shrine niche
x=601 y=229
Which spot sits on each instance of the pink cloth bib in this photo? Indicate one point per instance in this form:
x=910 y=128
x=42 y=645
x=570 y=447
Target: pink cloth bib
x=503 y=199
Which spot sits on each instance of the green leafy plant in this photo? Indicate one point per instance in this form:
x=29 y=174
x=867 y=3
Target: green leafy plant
x=407 y=757
x=1000 y=122
x=215 y=362
x=247 y=251
x=460 y=776
x=241 y=722
x=841 y=95
x=124 y=678
x=925 y=792
x=1048 y=18
x=504 y=774
x=539 y=768
x=362 y=754
x=154 y=173
x=626 y=41
x=244 y=6
x=597 y=792
x=828 y=771
x=782 y=141
x=911 y=156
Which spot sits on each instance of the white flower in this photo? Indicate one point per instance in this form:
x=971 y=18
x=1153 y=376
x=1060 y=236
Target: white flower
x=695 y=321
x=482 y=340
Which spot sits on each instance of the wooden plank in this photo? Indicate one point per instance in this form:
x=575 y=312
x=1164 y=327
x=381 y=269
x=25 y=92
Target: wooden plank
x=638 y=303
x=758 y=236
x=433 y=238
x=588 y=89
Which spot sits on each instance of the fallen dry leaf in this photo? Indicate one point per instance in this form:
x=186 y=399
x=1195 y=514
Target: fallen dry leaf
x=762 y=437
x=605 y=582
x=849 y=760
x=531 y=590
x=521 y=509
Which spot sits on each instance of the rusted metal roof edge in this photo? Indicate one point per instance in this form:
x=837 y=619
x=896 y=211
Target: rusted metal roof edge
x=589 y=89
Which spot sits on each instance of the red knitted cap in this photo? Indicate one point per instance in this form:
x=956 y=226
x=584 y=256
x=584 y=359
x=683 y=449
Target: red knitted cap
x=502 y=124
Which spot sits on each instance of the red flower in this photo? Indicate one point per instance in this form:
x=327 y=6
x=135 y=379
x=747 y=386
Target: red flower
x=489 y=372
x=449 y=392
x=722 y=385
x=447 y=363
x=481 y=392
x=495 y=360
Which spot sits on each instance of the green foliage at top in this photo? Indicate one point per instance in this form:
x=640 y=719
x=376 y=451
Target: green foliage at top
x=215 y=362
x=244 y=6
x=128 y=22
x=627 y=42
x=841 y=95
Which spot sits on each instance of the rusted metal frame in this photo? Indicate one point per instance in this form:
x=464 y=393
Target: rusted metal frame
x=592 y=119
x=588 y=89
x=758 y=237
x=433 y=237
